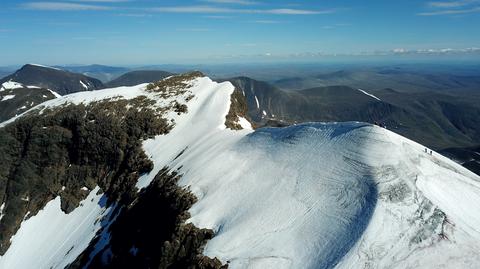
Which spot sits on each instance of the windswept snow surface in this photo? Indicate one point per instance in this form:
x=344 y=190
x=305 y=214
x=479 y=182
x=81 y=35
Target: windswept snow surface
x=318 y=195
x=315 y=195
x=369 y=94
x=53 y=239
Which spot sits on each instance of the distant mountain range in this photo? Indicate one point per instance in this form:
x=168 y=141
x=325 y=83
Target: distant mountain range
x=137 y=77
x=434 y=119
x=381 y=78
x=440 y=118
x=104 y=73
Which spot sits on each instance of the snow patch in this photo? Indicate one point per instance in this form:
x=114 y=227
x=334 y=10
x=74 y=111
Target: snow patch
x=369 y=94
x=55 y=93
x=7 y=97
x=84 y=85
x=2 y=207
x=11 y=85
x=258 y=103
x=244 y=123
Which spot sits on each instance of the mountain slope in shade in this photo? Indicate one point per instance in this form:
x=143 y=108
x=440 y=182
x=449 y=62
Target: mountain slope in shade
x=62 y=82
x=315 y=195
x=102 y=72
x=437 y=120
x=16 y=98
x=138 y=77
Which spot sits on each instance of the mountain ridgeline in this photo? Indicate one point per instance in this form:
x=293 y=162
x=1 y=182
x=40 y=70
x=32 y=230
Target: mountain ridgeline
x=434 y=119
x=138 y=77
x=68 y=149
x=59 y=81
x=171 y=174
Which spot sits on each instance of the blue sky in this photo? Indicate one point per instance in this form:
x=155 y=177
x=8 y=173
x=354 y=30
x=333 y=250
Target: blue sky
x=163 y=31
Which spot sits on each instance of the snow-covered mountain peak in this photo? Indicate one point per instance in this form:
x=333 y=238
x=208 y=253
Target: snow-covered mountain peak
x=313 y=195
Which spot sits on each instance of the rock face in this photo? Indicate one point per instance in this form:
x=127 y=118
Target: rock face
x=176 y=187
x=57 y=80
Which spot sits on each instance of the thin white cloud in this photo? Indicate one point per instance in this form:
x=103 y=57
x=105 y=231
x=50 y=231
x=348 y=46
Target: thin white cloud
x=267 y=21
x=62 y=6
x=220 y=10
x=236 y=2
x=451 y=12
x=193 y=9
x=134 y=15
x=100 y=1
x=290 y=11
x=452 y=4
x=194 y=29
x=217 y=17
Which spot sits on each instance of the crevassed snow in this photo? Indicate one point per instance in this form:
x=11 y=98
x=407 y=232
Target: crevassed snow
x=258 y=103
x=369 y=94
x=84 y=85
x=7 y=97
x=10 y=85
x=53 y=239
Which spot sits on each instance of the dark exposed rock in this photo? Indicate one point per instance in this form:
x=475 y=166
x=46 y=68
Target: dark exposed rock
x=150 y=232
x=238 y=108
x=70 y=147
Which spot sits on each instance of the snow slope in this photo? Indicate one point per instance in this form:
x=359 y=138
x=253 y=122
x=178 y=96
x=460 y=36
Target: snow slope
x=53 y=239
x=315 y=195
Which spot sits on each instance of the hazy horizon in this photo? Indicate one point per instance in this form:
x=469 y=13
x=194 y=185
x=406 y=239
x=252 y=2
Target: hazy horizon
x=133 y=32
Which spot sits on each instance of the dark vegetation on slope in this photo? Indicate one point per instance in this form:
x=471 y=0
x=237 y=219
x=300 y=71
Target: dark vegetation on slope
x=138 y=77
x=150 y=232
x=62 y=82
x=25 y=98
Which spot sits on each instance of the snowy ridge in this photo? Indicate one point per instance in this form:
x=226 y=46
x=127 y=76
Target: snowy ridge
x=44 y=66
x=315 y=195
